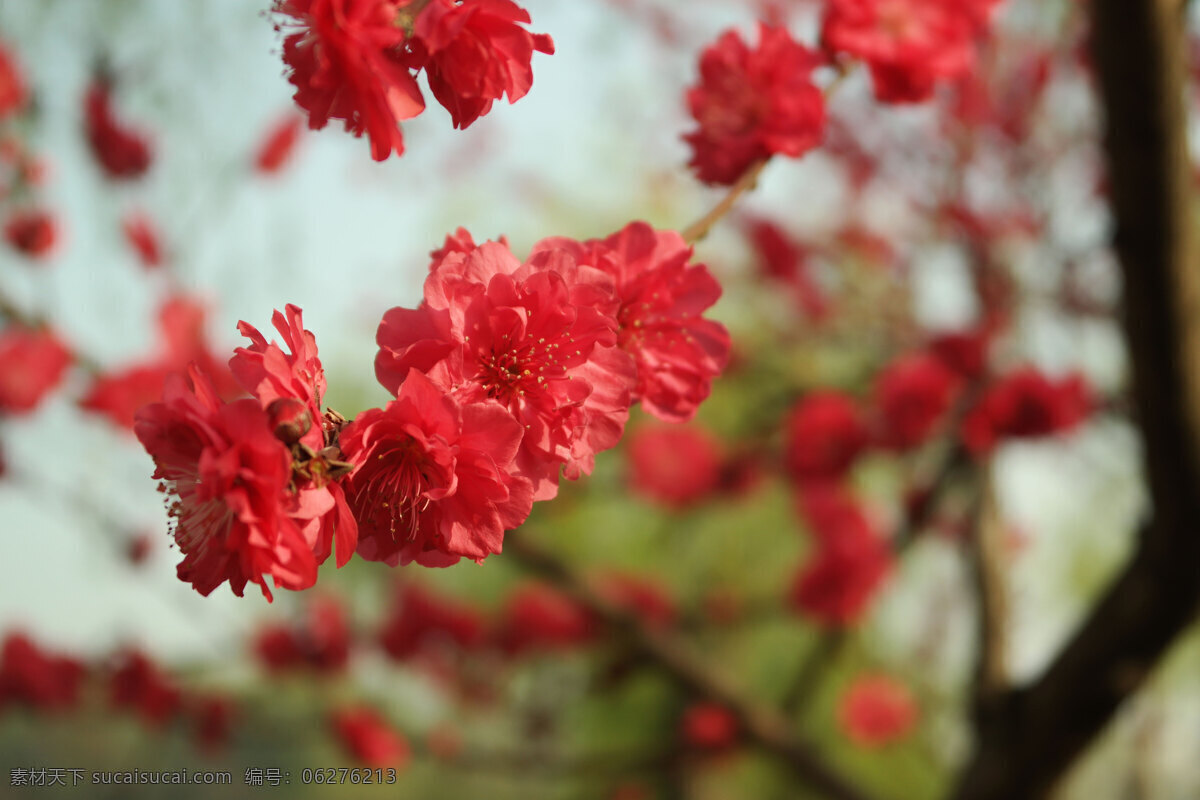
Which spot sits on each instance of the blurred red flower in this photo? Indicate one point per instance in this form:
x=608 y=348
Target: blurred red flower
x=142 y=236
x=850 y=561
x=538 y=617
x=347 y=62
x=138 y=684
x=278 y=146
x=876 y=710
x=709 y=726
x=1025 y=404
x=123 y=153
x=912 y=394
x=677 y=467
x=421 y=619
x=32 y=364
x=33 y=232
x=824 y=434
x=369 y=738
x=33 y=677
x=753 y=103
x=13 y=91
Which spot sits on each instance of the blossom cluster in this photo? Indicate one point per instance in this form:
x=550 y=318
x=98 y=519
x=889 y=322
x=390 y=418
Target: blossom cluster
x=358 y=60
x=507 y=377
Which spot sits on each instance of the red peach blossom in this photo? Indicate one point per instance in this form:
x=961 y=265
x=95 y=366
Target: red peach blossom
x=346 y=62
x=33 y=232
x=33 y=677
x=123 y=153
x=677 y=467
x=1025 y=404
x=536 y=338
x=139 y=685
x=848 y=565
x=422 y=619
x=753 y=103
x=661 y=297
x=912 y=394
x=32 y=364
x=142 y=236
x=278 y=145
x=228 y=480
x=825 y=433
x=368 y=738
x=876 y=710
x=432 y=481
x=908 y=45
x=474 y=52
x=13 y=91
x=539 y=617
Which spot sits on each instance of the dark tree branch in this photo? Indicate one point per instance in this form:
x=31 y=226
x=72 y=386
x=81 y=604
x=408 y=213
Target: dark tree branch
x=760 y=723
x=1028 y=737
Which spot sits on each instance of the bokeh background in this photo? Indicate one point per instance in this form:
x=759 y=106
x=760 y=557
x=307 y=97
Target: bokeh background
x=594 y=145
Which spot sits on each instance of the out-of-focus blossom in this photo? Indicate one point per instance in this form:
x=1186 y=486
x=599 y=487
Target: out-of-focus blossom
x=13 y=91
x=825 y=433
x=139 y=685
x=347 y=62
x=538 y=617
x=279 y=145
x=1025 y=404
x=912 y=394
x=876 y=710
x=35 y=678
x=320 y=642
x=122 y=152
x=848 y=565
x=32 y=232
x=369 y=739
x=677 y=467
x=32 y=364
x=708 y=726
x=753 y=103
x=421 y=620
x=142 y=236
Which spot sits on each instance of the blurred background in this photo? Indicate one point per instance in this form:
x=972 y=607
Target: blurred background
x=977 y=215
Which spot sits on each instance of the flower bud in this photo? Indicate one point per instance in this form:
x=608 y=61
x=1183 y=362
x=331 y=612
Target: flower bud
x=289 y=419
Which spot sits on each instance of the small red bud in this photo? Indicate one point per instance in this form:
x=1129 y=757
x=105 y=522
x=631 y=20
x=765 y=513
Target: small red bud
x=289 y=419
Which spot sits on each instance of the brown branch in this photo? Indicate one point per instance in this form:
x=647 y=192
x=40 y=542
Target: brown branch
x=700 y=228
x=762 y=724
x=1028 y=737
x=987 y=561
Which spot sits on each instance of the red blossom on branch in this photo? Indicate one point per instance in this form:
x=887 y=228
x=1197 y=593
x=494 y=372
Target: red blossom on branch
x=33 y=232
x=13 y=91
x=346 y=61
x=876 y=710
x=677 y=467
x=474 y=52
x=1025 y=404
x=122 y=152
x=909 y=45
x=825 y=432
x=753 y=103
x=36 y=678
x=227 y=479
x=32 y=364
x=661 y=297
x=433 y=480
x=368 y=738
